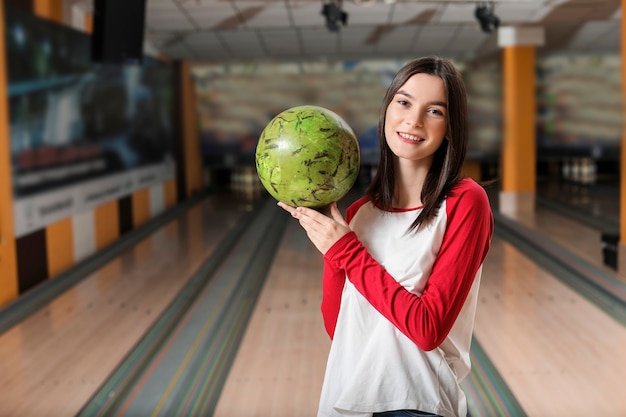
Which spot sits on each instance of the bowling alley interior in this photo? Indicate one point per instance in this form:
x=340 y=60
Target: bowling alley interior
x=146 y=269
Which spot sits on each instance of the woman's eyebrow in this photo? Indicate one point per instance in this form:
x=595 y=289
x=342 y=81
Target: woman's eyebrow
x=404 y=93
x=436 y=103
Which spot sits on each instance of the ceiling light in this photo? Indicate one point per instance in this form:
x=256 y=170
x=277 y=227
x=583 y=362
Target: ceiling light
x=334 y=15
x=489 y=22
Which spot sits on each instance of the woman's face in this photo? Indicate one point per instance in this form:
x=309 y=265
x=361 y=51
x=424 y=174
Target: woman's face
x=416 y=119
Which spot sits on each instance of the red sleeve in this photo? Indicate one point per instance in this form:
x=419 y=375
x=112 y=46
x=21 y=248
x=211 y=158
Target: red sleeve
x=426 y=319
x=333 y=281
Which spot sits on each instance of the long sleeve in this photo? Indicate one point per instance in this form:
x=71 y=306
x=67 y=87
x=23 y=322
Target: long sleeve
x=425 y=319
x=333 y=281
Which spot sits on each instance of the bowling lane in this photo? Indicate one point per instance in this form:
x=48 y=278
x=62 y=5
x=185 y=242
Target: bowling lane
x=581 y=240
x=559 y=354
x=53 y=361
x=573 y=216
x=280 y=364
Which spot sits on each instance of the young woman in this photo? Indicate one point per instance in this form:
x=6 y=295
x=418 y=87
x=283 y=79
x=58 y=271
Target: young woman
x=402 y=271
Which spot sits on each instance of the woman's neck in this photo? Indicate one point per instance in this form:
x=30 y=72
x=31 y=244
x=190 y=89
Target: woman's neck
x=409 y=181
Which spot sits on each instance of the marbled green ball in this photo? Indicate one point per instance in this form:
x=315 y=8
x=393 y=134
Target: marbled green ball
x=307 y=156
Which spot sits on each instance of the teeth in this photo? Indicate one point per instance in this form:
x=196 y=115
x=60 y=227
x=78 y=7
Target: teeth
x=410 y=137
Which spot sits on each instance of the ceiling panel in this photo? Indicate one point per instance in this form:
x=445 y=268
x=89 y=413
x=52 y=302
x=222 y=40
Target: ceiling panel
x=318 y=42
x=467 y=40
x=307 y=15
x=270 y=16
x=356 y=41
x=282 y=42
x=458 y=13
x=597 y=36
x=245 y=30
x=378 y=13
x=207 y=17
x=246 y=44
x=519 y=13
x=399 y=39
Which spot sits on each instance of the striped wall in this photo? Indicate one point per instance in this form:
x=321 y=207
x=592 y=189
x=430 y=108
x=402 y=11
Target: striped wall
x=29 y=260
x=48 y=252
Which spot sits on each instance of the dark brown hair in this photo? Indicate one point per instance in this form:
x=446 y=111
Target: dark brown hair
x=448 y=160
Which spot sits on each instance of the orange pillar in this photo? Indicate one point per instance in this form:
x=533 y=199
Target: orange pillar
x=518 y=168
x=621 y=254
x=60 y=246
x=472 y=170
x=191 y=135
x=8 y=260
x=141 y=207
x=59 y=235
x=107 y=224
x=170 y=192
x=49 y=9
x=89 y=23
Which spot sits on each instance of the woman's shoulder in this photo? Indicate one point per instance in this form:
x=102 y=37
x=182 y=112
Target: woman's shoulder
x=468 y=185
x=468 y=206
x=469 y=191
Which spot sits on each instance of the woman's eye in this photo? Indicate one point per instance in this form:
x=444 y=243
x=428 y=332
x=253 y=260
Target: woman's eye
x=436 y=111
x=403 y=102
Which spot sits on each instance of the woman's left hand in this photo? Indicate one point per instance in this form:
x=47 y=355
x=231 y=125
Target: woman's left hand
x=322 y=230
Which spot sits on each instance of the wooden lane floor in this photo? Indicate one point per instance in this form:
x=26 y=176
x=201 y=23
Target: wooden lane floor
x=53 y=361
x=178 y=367
x=559 y=354
x=279 y=368
x=280 y=365
x=582 y=240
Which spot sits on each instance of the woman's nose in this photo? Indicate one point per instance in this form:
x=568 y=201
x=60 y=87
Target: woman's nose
x=414 y=119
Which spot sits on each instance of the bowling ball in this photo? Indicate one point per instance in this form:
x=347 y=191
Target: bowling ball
x=307 y=156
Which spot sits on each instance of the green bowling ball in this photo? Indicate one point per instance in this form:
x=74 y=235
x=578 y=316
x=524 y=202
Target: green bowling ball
x=307 y=156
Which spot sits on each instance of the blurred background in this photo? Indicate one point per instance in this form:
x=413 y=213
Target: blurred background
x=134 y=236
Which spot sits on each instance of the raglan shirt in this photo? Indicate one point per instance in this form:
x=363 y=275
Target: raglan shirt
x=400 y=306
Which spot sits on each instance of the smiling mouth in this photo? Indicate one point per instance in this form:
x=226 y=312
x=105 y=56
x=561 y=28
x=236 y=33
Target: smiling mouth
x=412 y=138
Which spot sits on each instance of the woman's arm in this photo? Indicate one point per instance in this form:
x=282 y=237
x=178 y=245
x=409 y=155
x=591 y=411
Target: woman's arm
x=333 y=282
x=425 y=319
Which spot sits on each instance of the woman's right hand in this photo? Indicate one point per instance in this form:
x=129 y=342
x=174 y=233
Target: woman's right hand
x=323 y=231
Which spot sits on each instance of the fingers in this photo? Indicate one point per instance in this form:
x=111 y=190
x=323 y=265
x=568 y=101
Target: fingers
x=323 y=230
x=298 y=211
x=336 y=214
x=325 y=210
x=286 y=207
x=310 y=218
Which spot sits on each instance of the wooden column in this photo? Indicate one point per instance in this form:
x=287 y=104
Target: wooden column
x=518 y=170
x=49 y=9
x=89 y=23
x=59 y=235
x=191 y=152
x=8 y=260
